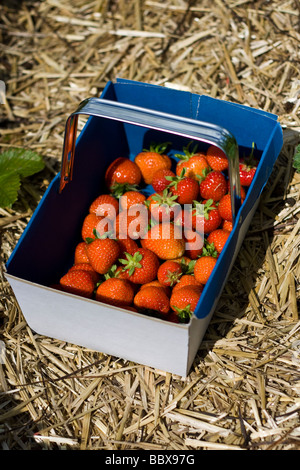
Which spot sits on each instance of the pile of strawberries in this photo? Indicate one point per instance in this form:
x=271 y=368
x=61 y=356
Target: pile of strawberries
x=154 y=253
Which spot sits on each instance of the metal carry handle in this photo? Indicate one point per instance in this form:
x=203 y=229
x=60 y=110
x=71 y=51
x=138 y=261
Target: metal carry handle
x=185 y=127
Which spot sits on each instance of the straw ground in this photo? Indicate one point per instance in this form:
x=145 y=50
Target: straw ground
x=243 y=390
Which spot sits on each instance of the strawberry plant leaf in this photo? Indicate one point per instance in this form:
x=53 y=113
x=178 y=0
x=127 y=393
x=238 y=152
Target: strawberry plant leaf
x=16 y=163
x=9 y=187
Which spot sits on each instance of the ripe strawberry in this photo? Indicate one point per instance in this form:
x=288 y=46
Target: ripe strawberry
x=194 y=243
x=105 y=205
x=132 y=223
x=246 y=174
x=78 y=282
x=218 y=238
x=116 y=271
x=206 y=217
x=156 y=283
x=204 y=267
x=122 y=170
x=216 y=158
x=95 y=226
x=184 y=301
x=127 y=245
x=103 y=253
x=131 y=198
x=159 y=182
x=141 y=267
x=165 y=240
x=224 y=207
x=184 y=218
x=185 y=188
x=152 y=160
x=195 y=163
x=86 y=267
x=80 y=253
x=227 y=225
x=247 y=168
x=115 y=291
x=162 y=206
x=213 y=186
x=187 y=280
x=169 y=273
x=153 y=299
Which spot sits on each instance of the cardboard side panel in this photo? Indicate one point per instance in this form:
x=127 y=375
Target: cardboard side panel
x=97 y=326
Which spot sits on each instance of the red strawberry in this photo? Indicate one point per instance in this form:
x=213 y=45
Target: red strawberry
x=246 y=174
x=156 y=283
x=80 y=253
x=78 y=282
x=184 y=218
x=169 y=272
x=116 y=271
x=187 y=280
x=194 y=243
x=153 y=299
x=162 y=206
x=165 y=240
x=195 y=163
x=105 y=205
x=131 y=198
x=206 y=217
x=127 y=245
x=141 y=267
x=115 y=291
x=122 y=170
x=86 y=267
x=213 y=186
x=132 y=223
x=247 y=168
x=204 y=267
x=159 y=182
x=184 y=301
x=185 y=188
x=152 y=160
x=218 y=238
x=95 y=226
x=103 y=253
x=224 y=207
x=227 y=225
x=216 y=158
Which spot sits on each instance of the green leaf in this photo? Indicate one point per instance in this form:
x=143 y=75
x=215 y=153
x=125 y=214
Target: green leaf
x=16 y=163
x=9 y=187
x=296 y=162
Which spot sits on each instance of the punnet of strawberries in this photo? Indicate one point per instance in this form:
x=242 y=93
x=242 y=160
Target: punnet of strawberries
x=151 y=240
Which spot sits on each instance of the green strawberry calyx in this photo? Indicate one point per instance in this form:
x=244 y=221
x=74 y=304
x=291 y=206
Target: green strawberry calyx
x=174 y=180
x=184 y=314
x=204 y=209
x=97 y=236
x=132 y=262
x=173 y=278
x=209 y=250
x=118 y=189
x=187 y=152
x=158 y=148
x=165 y=199
x=202 y=177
